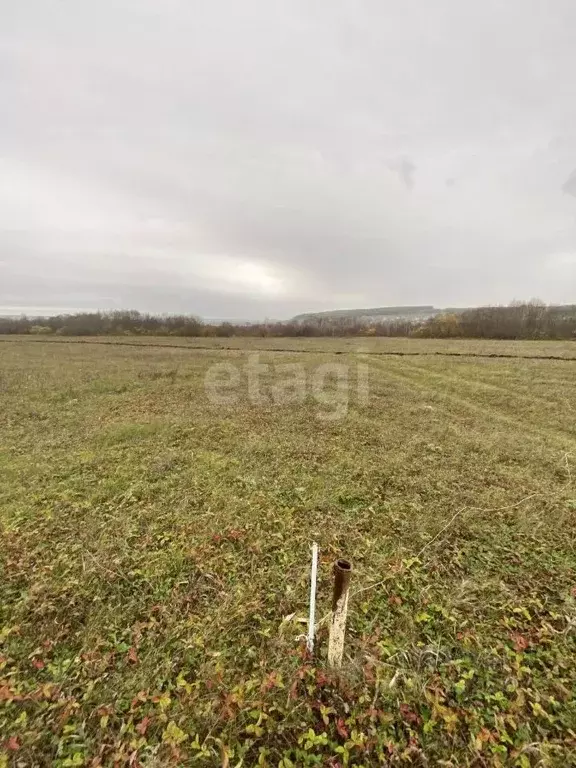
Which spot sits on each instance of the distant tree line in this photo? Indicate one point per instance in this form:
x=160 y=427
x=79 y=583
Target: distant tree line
x=520 y=320
x=135 y=323
x=530 y=320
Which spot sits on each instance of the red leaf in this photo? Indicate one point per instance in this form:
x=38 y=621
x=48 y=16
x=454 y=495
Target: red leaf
x=520 y=642
x=38 y=664
x=485 y=735
x=341 y=728
x=270 y=682
x=228 y=705
x=143 y=725
x=369 y=675
x=302 y=671
x=321 y=678
x=132 y=656
x=395 y=600
x=408 y=714
x=7 y=694
x=140 y=698
x=13 y=744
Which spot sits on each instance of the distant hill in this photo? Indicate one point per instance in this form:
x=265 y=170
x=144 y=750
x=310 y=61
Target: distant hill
x=372 y=313
x=416 y=313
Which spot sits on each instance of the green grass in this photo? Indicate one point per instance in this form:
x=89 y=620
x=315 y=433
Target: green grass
x=155 y=554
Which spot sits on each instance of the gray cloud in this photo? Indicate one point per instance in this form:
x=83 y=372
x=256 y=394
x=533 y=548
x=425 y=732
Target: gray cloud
x=569 y=186
x=268 y=157
x=406 y=170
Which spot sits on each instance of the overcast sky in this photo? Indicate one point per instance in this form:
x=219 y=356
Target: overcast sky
x=266 y=157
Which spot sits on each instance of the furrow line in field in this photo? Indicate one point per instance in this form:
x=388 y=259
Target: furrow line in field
x=295 y=350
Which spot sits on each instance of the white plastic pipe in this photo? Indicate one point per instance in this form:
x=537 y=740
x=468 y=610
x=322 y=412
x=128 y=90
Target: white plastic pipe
x=312 y=612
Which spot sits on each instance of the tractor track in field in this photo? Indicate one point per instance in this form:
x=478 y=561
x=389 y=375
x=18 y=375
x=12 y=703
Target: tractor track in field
x=494 y=413
x=474 y=384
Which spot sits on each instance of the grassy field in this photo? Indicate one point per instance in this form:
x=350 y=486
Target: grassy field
x=378 y=346
x=155 y=550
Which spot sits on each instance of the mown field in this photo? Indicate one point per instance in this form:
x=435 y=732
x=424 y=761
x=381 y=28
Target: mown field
x=155 y=552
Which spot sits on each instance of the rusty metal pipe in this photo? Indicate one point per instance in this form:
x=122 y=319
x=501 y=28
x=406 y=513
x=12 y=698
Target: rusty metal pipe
x=342 y=572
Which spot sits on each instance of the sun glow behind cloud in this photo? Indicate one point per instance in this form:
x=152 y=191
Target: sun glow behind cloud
x=258 y=278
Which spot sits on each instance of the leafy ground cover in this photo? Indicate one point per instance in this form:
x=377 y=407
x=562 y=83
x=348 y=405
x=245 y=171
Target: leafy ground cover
x=155 y=550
